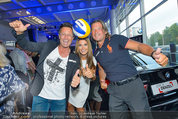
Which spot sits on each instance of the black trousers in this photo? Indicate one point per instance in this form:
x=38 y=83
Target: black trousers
x=129 y=100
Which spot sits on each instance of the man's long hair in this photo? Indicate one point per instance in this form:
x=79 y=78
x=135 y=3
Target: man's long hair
x=103 y=26
x=107 y=35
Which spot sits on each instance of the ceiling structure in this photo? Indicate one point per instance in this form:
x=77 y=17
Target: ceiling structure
x=49 y=14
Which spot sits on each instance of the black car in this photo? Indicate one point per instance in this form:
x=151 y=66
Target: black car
x=160 y=83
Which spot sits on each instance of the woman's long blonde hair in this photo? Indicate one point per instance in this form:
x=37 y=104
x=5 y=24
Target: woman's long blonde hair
x=89 y=57
x=3 y=59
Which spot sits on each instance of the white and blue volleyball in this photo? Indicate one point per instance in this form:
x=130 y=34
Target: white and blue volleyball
x=81 y=28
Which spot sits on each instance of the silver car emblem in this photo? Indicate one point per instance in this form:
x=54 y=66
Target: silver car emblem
x=167 y=75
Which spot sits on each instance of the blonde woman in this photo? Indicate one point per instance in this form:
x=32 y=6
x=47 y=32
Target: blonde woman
x=10 y=84
x=77 y=98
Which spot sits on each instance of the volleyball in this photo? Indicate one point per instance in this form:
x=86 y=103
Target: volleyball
x=81 y=28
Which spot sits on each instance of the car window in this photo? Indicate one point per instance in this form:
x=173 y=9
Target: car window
x=139 y=60
x=146 y=61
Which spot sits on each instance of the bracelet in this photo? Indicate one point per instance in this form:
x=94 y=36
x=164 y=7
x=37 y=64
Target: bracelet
x=152 y=54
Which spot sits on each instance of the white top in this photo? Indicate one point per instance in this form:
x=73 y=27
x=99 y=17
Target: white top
x=54 y=76
x=78 y=96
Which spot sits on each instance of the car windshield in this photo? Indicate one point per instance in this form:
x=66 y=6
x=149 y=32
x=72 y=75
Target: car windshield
x=146 y=61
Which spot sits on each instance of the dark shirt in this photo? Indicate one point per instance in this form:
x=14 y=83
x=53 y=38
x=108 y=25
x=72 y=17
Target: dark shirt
x=117 y=65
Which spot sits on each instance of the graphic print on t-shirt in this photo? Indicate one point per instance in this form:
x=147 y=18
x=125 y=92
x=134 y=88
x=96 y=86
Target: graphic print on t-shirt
x=54 y=70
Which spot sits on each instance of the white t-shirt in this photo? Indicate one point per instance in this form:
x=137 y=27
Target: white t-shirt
x=78 y=96
x=54 y=76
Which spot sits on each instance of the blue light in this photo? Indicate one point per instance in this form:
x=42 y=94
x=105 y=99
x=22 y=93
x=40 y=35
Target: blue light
x=49 y=9
x=29 y=11
x=82 y=5
x=9 y=13
x=105 y=2
x=71 y=6
x=59 y=7
x=38 y=10
x=48 y=36
x=93 y=3
x=75 y=10
x=70 y=22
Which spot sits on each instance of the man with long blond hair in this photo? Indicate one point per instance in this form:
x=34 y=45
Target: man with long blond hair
x=126 y=90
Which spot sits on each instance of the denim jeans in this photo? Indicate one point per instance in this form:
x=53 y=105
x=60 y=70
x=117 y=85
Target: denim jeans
x=47 y=108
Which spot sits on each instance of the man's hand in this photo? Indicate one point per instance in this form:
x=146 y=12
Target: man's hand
x=103 y=84
x=18 y=26
x=87 y=72
x=76 y=79
x=160 y=58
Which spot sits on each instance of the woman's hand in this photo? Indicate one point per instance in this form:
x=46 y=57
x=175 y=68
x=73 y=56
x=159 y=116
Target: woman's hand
x=87 y=72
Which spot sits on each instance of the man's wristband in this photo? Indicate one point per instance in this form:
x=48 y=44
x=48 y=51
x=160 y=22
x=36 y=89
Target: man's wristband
x=152 y=54
x=19 y=33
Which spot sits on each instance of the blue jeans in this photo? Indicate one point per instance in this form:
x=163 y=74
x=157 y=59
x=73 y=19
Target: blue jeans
x=43 y=106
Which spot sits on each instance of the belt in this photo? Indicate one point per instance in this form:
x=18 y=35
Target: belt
x=124 y=81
